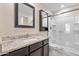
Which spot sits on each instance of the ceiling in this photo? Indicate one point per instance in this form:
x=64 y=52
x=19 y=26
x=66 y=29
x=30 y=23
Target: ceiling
x=54 y=7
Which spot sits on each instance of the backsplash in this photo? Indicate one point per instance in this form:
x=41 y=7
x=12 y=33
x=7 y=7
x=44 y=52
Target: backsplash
x=14 y=37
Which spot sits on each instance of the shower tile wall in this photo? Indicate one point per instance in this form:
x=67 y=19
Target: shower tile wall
x=64 y=37
x=61 y=36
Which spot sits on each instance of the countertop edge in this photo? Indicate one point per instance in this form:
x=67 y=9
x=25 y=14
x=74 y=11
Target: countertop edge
x=2 y=53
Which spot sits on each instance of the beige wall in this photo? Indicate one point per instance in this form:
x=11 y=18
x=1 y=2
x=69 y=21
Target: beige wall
x=7 y=20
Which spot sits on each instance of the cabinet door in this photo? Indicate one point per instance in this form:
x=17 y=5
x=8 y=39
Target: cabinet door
x=19 y=52
x=35 y=46
x=37 y=52
x=46 y=50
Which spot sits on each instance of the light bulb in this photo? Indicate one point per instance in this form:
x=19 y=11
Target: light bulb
x=62 y=6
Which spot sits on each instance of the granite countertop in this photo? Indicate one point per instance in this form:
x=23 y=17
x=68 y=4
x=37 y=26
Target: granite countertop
x=11 y=45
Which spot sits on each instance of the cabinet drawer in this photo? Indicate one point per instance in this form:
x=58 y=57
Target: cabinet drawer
x=35 y=46
x=46 y=41
x=37 y=52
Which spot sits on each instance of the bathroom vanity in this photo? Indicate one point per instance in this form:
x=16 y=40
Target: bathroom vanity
x=33 y=46
x=36 y=49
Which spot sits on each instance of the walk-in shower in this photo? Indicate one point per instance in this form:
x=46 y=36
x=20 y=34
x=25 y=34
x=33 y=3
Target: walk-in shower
x=64 y=32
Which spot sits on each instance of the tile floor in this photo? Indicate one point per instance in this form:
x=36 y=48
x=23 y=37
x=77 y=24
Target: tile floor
x=53 y=51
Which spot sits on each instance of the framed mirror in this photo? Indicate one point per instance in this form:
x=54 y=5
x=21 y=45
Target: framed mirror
x=24 y=15
x=43 y=20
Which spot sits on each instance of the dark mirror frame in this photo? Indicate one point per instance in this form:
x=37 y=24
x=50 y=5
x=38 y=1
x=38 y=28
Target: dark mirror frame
x=16 y=16
x=40 y=21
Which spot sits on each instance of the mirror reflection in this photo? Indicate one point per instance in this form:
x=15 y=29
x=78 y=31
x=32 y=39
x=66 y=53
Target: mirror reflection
x=43 y=20
x=25 y=15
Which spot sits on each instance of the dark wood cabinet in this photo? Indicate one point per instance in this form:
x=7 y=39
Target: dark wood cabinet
x=35 y=46
x=46 y=50
x=37 y=49
x=19 y=52
x=38 y=52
